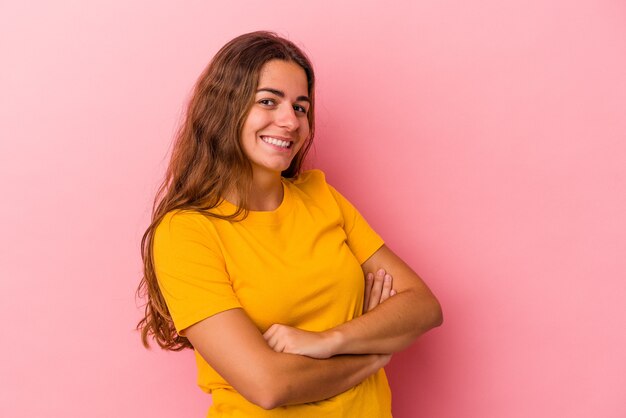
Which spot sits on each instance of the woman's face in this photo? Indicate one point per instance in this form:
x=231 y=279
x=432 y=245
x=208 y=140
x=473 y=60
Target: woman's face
x=277 y=124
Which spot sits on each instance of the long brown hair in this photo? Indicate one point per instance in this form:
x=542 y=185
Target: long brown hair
x=207 y=158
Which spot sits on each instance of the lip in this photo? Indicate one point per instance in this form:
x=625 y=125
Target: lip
x=282 y=138
x=277 y=147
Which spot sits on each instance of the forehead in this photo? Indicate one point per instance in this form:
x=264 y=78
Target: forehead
x=284 y=75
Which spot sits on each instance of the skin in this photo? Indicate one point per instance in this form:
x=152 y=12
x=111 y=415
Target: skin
x=396 y=310
x=377 y=289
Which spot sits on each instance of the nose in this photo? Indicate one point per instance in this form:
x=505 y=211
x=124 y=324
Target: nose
x=286 y=118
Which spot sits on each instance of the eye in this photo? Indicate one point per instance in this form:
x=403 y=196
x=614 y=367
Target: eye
x=299 y=108
x=267 y=102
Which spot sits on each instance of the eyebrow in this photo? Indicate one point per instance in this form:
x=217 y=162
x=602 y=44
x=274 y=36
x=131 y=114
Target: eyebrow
x=282 y=94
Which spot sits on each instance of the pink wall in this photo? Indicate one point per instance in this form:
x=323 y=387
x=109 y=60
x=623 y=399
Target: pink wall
x=485 y=141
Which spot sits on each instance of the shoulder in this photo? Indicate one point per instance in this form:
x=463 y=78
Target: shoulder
x=311 y=183
x=181 y=219
x=310 y=177
x=184 y=225
x=314 y=182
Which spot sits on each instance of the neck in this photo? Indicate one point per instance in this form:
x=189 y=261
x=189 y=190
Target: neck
x=266 y=193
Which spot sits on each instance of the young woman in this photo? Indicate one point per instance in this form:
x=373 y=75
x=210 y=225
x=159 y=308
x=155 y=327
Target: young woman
x=270 y=274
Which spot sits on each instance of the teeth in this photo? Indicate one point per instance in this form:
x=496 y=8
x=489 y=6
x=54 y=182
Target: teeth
x=276 y=141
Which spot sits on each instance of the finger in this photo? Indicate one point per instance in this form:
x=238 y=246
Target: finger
x=270 y=332
x=393 y=292
x=377 y=289
x=271 y=342
x=276 y=343
x=369 y=280
x=387 y=282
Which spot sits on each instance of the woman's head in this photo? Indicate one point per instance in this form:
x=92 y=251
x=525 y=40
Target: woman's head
x=208 y=159
x=225 y=93
x=276 y=126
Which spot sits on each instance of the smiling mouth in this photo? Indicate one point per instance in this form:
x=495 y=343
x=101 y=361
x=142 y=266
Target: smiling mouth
x=277 y=142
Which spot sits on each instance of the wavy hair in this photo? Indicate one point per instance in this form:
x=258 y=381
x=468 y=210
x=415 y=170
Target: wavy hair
x=207 y=159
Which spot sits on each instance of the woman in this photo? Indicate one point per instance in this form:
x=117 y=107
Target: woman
x=259 y=267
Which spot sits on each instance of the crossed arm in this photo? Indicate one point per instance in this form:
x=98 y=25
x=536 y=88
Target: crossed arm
x=270 y=379
x=389 y=327
x=325 y=363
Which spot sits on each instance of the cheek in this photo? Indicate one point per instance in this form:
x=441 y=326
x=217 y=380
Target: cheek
x=248 y=132
x=304 y=135
x=254 y=122
x=305 y=128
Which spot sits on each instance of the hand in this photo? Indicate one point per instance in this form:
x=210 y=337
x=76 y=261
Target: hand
x=378 y=288
x=286 y=339
x=383 y=360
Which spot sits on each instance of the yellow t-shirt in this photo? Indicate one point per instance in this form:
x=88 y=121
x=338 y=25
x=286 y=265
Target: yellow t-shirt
x=299 y=265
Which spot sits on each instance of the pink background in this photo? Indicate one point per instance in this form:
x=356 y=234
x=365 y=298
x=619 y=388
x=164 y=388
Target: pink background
x=484 y=140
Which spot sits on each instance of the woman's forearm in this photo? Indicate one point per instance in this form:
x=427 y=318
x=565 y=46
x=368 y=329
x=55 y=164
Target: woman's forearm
x=233 y=346
x=395 y=324
x=390 y=327
x=300 y=379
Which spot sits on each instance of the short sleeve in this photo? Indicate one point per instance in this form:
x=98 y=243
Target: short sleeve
x=362 y=239
x=190 y=269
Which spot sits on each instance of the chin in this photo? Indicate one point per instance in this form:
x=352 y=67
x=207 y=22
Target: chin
x=276 y=169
